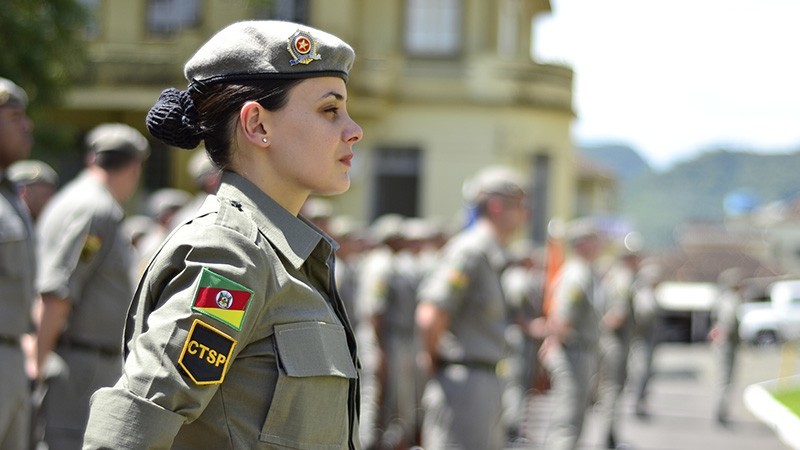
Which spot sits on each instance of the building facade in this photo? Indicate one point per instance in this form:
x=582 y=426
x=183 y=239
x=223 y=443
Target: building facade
x=441 y=88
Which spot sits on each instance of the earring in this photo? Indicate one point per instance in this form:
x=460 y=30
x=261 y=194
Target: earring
x=264 y=140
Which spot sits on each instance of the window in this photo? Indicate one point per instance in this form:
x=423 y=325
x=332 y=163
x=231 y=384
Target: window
x=166 y=17
x=92 y=29
x=291 y=10
x=396 y=181
x=433 y=27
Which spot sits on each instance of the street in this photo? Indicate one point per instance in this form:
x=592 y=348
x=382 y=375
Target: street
x=681 y=405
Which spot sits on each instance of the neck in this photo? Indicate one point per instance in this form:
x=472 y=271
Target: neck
x=108 y=180
x=253 y=166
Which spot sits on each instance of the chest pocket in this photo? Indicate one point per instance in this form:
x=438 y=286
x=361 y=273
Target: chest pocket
x=309 y=407
x=12 y=244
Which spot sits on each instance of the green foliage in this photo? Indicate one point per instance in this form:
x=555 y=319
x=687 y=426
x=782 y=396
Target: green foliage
x=695 y=190
x=42 y=45
x=790 y=399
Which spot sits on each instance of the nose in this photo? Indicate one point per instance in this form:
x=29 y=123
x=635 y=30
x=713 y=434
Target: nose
x=353 y=133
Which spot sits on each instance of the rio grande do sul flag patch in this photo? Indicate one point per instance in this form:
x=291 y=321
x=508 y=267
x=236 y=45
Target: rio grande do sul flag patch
x=222 y=299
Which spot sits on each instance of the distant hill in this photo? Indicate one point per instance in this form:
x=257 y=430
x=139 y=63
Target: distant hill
x=625 y=161
x=696 y=190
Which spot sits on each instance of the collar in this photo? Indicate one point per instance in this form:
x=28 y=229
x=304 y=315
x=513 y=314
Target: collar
x=293 y=236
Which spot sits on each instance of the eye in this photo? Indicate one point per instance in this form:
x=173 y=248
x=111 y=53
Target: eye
x=334 y=110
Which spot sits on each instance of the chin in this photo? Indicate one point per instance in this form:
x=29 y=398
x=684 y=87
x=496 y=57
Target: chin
x=341 y=186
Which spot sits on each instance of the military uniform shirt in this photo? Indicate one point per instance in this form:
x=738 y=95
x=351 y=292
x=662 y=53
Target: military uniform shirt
x=466 y=284
x=17 y=262
x=85 y=257
x=236 y=338
x=575 y=303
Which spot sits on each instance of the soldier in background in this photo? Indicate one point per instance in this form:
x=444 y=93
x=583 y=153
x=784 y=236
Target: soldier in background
x=570 y=350
x=616 y=332
x=724 y=334
x=37 y=183
x=206 y=176
x=17 y=270
x=84 y=279
x=462 y=319
x=647 y=318
x=523 y=284
x=162 y=206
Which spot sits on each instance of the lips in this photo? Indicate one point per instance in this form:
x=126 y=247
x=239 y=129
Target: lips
x=347 y=160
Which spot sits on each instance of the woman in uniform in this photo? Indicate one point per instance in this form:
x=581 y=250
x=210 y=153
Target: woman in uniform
x=236 y=337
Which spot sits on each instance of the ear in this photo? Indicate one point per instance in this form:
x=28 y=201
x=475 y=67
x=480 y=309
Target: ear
x=252 y=118
x=494 y=205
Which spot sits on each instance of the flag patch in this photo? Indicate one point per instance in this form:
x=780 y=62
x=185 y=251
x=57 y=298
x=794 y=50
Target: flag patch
x=222 y=299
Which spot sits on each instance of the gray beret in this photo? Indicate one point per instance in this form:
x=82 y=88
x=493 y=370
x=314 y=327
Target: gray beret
x=269 y=49
x=32 y=171
x=167 y=199
x=493 y=180
x=117 y=137
x=10 y=93
x=581 y=228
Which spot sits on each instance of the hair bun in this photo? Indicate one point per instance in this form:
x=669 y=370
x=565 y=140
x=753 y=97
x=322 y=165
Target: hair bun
x=173 y=119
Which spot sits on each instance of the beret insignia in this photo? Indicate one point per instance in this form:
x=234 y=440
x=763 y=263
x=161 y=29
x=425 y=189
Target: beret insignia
x=206 y=354
x=303 y=48
x=222 y=299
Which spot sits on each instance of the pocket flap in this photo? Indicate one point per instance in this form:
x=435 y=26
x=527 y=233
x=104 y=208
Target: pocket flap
x=308 y=349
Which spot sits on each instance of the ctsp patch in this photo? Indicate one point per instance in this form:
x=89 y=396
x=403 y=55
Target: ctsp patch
x=206 y=354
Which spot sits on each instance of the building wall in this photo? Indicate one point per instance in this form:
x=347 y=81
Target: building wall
x=488 y=103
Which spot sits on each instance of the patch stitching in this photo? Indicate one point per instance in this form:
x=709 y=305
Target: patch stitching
x=205 y=353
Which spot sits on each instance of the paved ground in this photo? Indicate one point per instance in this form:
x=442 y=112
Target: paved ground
x=681 y=405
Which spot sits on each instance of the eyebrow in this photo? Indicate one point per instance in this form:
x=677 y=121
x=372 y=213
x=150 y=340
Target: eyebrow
x=333 y=94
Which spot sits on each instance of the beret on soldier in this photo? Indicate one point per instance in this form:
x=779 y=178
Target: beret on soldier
x=493 y=180
x=242 y=53
x=11 y=94
x=109 y=137
x=32 y=171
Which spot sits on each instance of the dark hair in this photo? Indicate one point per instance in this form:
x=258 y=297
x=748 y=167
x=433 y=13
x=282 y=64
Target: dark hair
x=112 y=160
x=209 y=112
x=218 y=109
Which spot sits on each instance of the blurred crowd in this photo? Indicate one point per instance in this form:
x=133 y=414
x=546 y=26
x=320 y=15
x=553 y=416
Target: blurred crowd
x=461 y=324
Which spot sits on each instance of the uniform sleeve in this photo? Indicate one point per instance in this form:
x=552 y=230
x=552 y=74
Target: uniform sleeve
x=196 y=308
x=449 y=283
x=66 y=253
x=375 y=282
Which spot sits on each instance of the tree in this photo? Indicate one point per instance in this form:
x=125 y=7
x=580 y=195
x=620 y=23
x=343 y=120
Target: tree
x=43 y=48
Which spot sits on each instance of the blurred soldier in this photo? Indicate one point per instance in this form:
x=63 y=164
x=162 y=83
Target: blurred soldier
x=523 y=284
x=570 y=350
x=206 y=176
x=724 y=335
x=162 y=205
x=387 y=295
x=646 y=314
x=351 y=238
x=462 y=319
x=84 y=279
x=136 y=227
x=37 y=183
x=319 y=211
x=616 y=330
x=17 y=269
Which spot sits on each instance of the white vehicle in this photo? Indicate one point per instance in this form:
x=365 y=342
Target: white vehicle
x=777 y=320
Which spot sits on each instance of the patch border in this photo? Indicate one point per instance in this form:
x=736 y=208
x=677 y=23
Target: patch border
x=186 y=344
x=207 y=314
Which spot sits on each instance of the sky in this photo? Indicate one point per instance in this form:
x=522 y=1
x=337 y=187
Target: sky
x=675 y=78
